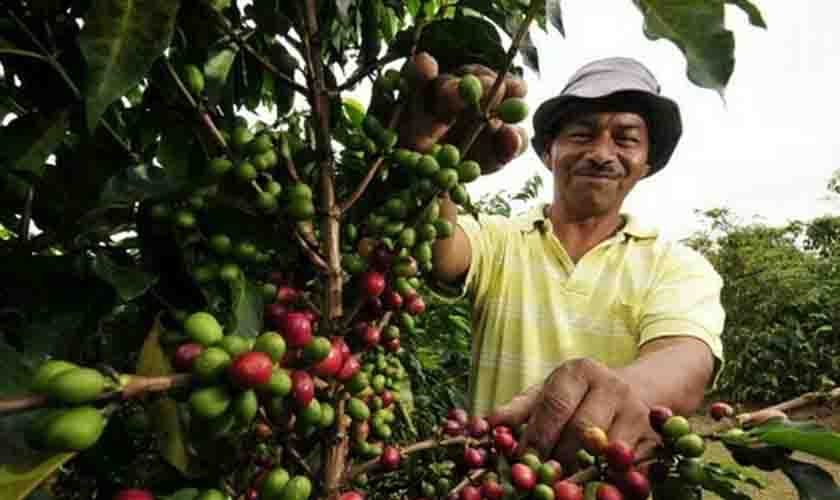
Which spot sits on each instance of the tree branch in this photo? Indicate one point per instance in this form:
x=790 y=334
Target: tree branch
x=479 y=125
x=135 y=387
x=361 y=73
x=414 y=448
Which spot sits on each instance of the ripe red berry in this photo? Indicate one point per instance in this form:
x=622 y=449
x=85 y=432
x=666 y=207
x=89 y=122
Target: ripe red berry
x=134 y=494
x=303 y=388
x=721 y=410
x=250 y=369
x=477 y=426
x=387 y=398
x=470 y=492
x=371 y=336
x=330 y=365
x=252 y=494
x=658 y=416
x=393 y=345
x=523 y=476
x=185 y=356
x=452 y=427
x=492 y=490
x=343 y=348
x=608 y=491
x=634 y=485
x=275 y=314
x=351 y=495
x=505 y=443
x=297 y=329
x=459 y=415
x=619 y=455
x=392 y=299
x=373 y=283
x=415 y=305
x=474 y=457
x=350 y=368
x=567 y=490
x=287 y=294
x=390 y=458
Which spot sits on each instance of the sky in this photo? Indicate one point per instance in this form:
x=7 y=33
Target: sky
x=766 y=153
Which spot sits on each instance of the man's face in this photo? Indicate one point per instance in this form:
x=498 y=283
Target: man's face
x=596 y=159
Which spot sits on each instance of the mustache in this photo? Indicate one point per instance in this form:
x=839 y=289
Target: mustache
x=610 y=170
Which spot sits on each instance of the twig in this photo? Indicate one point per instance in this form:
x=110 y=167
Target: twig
x=392 y=123
x=228 y=29
x=25 y=221
x=420 y=446
x=471 y=478
x=206 y=119
x=361 y=73
x=313 y=256
x=300 y=461
x=806 y=399
x=479 y=125
x=136 y=386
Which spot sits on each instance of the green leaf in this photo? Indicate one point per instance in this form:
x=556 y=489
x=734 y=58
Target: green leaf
x=138 y=184
x=697 y=28
x=22 y=469
x=555 y=15
x=811 y=481
x=174 y=151
x=807 y=437
x=128 y=281
x=27 y=141
x=216 y=71
x=247 y=309
x=164 y=411
x=120 y=41
x=455 y=42
x=756 y=19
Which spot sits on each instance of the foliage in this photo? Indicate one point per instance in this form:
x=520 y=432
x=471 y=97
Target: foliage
x=129 y=146
x=780 y=337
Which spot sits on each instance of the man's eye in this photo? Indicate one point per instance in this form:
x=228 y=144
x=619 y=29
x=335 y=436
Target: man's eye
x=580 y=136
x=627 y=140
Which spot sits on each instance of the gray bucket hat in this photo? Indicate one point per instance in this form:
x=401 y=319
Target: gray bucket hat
x=616 y=83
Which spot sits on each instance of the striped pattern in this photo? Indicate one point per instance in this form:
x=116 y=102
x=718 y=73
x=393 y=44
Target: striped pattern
x=534 y=308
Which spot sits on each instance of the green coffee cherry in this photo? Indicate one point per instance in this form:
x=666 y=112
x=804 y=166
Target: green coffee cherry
x=470 y=90
x=513 y=110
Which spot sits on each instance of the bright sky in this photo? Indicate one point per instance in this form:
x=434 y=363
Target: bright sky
x=768 y=151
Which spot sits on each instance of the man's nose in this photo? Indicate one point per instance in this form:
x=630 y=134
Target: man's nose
x=602 y=149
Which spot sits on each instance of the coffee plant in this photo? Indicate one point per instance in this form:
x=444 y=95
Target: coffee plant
x=216 y=260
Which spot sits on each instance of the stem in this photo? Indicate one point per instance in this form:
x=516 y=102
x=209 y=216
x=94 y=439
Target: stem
x=420 y=446
x=206 y=119
x=392 y=124
x=479 y=125
x=806 y=399
x=313 y=256
x=136 y=387
x=336 y=456
x=361 y=73
x=228 y=29
x=26 y=219
x=471 y=477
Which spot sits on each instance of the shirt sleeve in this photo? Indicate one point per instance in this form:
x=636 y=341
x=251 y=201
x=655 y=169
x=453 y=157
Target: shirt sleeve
x=685 y=301
x=483 y=236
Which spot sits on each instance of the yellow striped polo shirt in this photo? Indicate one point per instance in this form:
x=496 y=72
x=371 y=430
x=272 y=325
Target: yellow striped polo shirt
x=534 y=308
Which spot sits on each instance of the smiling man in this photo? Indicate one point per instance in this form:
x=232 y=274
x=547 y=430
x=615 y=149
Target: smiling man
x=583 y=315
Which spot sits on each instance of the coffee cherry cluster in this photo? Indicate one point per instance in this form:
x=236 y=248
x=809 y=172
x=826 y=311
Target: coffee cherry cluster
x=73 y=423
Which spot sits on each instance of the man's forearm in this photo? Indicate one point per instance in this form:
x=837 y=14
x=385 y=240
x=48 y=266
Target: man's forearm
x=672 y=372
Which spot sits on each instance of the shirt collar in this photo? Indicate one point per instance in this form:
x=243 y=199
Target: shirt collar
x=633 y=227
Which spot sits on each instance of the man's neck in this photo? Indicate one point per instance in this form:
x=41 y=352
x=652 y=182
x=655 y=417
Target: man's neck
x=579 y=235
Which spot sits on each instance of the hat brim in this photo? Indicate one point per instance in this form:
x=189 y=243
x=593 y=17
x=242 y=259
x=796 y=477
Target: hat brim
x=661 y=115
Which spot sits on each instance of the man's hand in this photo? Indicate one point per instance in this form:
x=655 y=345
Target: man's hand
x=436 y=113
x=579 y=394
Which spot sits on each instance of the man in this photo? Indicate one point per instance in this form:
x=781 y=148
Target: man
x=583 y=316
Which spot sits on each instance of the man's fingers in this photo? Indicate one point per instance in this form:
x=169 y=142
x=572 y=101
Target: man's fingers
x=560 y=398
x=445 y=99
x=596 y=408
x=517 y=410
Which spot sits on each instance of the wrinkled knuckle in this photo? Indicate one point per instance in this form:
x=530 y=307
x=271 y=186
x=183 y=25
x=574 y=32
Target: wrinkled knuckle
x=556 y=405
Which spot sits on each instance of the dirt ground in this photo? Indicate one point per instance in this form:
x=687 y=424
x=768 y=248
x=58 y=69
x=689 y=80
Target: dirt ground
x=779 y=486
